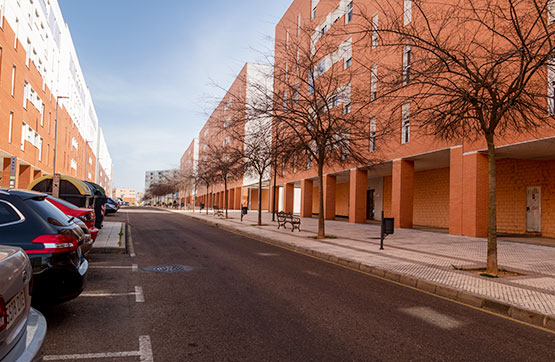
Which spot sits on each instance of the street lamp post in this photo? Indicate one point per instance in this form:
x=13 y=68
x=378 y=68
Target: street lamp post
x=55 y=177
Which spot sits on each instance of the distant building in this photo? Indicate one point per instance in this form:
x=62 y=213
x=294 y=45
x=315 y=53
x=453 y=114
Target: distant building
x=152 y=177
x=129 y=195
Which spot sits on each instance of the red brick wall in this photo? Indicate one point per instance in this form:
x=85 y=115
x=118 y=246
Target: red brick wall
x=513 y=177
x=431 y=198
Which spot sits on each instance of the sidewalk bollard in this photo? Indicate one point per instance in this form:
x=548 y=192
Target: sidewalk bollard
x=386 y=229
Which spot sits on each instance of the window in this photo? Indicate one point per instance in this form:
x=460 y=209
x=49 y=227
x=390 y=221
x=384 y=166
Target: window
x=333 y=101
x=551 y=87
x=295 y=164
x=308 y=161
x=285 y=101
x=373 y=134
x=407 y=12
x=348 y=62
x=406 y=64
x=324 y=29
x=16 y=33
x=551 y=11
x=13 y=80
x=349 y=13
x=310 y=83
x=374 y=82
x=313 y=14
x=405 y=127
x=374 y=31
x=25 y=94
x=10 y=128
x=297 y=93
x=8 y=214
x=286 y=39
x=42 y=114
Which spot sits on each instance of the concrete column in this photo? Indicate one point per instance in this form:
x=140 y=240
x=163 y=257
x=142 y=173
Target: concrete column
x=288 y=197
x=329 y=197
x=307 y=187
x=25 y=176
x=237 y=198
x=402 y=193
x=231 y=199
x=456 y=191
x=475 y=200
x=357 y=196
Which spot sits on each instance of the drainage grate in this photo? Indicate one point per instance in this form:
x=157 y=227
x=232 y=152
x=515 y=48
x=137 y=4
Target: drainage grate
x=168 y=268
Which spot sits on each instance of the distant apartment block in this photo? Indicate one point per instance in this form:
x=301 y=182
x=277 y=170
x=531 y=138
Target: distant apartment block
x=39 y=74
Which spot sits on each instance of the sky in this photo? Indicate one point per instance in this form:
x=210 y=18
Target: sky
x=155 y=69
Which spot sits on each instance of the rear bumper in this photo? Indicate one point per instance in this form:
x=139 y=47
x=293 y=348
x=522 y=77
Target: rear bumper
x=59 y=284
x=30 y=345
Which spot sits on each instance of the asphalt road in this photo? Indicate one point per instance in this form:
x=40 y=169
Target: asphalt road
x=247 y=301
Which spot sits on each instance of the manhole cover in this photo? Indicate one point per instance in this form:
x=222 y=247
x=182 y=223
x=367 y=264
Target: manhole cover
x=169 y=268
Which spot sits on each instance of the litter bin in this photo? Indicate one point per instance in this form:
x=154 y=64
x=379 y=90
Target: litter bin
x=72 y=190
x=100 y=200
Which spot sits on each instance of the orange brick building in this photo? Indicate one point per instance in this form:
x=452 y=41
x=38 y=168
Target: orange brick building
x=39 y=74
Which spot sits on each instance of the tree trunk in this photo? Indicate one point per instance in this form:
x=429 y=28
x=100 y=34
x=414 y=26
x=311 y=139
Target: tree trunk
x=321 y=225
x=492 y=266
x=274 y=195
x=260 y=200
x=225 y=196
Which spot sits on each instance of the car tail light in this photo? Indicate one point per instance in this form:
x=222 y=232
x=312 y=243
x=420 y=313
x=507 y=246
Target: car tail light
x=55 y=244
x=3 y=316
x=87 y=217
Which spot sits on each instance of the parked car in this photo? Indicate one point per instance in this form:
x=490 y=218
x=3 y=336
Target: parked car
x=51 y=240
x=85 y=215
x=22 y=328
x=111 y=206
x=88 y=242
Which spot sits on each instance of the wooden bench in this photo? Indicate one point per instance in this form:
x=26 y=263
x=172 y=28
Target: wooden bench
x=218 y=212
x=284 y=218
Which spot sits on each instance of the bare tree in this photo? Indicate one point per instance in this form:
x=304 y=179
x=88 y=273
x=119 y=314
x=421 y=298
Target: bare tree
x=471 y=70
x=319 y=108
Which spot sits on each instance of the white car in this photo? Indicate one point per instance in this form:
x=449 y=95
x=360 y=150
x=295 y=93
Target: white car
x=22 y=328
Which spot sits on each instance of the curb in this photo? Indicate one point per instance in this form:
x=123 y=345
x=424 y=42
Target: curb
x=474 y=300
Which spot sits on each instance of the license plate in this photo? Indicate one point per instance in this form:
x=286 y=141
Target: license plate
x=15 y=307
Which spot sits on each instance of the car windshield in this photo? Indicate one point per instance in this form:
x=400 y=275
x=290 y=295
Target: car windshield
x=63 y=202
x=48 y=210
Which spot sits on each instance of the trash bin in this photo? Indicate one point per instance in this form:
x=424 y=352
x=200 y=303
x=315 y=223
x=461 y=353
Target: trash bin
x=72 y=190
x=100 y=200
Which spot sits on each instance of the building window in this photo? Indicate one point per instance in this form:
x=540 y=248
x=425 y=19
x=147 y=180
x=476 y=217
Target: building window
x=297 y=93
x=13 y=81
x=348 y=62
x=374 y=31
x=349 y=13
x=16 y=34
x=313 y=14
x=299 y=25
x=407 y=12
x=405 y=127
x=285 y=101
x=347 y=108
x=406 y=64
x=373 y=134
x=551 y=88
x=287 y=39
x=308 y=161
x=310 y=83
x=10 y=128
x=374 y=82
x=333 y=101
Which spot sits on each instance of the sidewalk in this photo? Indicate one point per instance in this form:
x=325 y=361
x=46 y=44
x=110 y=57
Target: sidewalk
x=109 y=239
x=424 y=260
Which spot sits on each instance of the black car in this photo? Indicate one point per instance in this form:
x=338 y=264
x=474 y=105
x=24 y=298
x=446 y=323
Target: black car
x=50 y=239
x=111 y=206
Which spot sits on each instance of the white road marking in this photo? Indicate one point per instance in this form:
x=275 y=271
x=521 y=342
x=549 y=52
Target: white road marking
x=145 y=349
x=132 y=267
x=138 y=293
x=267 y=254
x=437 y=319
x=144 y=353
x=139 y=296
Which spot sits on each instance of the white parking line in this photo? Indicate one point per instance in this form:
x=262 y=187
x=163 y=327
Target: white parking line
x=433 y=317
x=144 y=353
x=133 y=267
x=138 y=293
x=139 y=296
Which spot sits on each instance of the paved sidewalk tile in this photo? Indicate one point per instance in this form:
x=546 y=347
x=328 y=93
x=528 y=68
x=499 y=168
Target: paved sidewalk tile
x=431 y=257
x=109 y=237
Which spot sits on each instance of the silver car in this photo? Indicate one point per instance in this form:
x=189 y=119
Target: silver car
x=22 y=328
